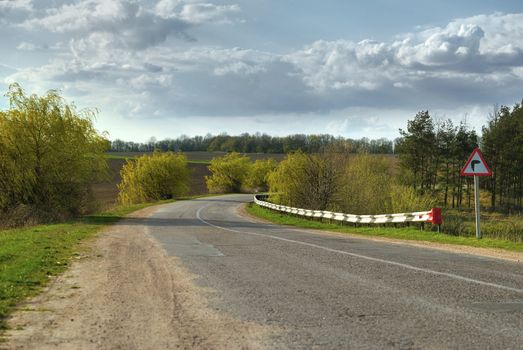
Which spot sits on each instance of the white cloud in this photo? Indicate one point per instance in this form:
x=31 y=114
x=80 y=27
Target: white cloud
x=465 y=53
x=16 y=5
x=205 y=12
x=108 y=23
x=83 y=16
x=25 y=46
x=127 y=24
x=118 y=58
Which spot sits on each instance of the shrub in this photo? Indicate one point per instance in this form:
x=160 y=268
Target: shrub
x=407 y=199
x=257 y=180
x=50 y=155
x=366 y=186
x=154 y=177
x=305 y=180
x=228 y=173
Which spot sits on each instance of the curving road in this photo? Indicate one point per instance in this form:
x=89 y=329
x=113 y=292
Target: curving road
x=328 y=291
x=198 y=275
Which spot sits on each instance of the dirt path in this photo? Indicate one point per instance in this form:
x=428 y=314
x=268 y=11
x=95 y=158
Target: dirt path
x=127 y=294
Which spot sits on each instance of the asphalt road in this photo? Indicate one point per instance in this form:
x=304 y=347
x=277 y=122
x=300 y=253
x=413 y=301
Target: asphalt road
x=328 y=291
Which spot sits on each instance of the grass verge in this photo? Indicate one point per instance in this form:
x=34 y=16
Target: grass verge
x=29 y=257
x=406 y=233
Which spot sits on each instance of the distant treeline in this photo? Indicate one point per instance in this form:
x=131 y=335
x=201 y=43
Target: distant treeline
x=257 y=143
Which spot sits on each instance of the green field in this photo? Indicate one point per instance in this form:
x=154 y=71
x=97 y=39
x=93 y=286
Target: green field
x=407 y=233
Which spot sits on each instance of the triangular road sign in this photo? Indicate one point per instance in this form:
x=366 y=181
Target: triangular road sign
x=476 y=165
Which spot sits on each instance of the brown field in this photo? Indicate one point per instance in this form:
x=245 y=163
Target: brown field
x=106 y=193
x=204 y=156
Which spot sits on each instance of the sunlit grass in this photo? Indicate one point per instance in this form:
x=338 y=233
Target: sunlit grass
x=29 y=257
x=413 y=232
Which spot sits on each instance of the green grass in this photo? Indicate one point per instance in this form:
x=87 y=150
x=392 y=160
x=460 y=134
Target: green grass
x=406 y=233
x=30 y=256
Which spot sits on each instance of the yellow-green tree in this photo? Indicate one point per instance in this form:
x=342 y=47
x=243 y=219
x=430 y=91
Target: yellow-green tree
x=407 y=199
x=228 y=173
x=50 y=154
x=257 y=180
x=365 y=187
x=154 y=177
x=307 y=181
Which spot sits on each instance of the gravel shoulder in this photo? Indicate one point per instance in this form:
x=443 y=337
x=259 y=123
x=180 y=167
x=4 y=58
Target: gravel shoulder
x=484 y=252
x=127 y=294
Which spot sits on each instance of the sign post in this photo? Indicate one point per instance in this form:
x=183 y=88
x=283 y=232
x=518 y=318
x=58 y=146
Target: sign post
x=476 y=206
x=476 y=166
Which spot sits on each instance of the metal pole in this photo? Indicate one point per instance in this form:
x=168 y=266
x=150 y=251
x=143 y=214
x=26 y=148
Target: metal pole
x=476 y=205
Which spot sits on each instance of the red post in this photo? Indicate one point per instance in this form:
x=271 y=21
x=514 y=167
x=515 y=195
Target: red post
x=435 y=217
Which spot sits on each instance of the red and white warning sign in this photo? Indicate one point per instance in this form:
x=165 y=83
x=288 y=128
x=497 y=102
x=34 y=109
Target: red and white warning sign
x=476 y=165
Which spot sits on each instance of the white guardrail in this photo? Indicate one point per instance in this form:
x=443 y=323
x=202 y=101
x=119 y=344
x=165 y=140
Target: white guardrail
x=433 y=216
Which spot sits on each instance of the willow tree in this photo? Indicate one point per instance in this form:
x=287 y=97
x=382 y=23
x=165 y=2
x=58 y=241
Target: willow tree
x=228 y=173
x=307 y=181
x=257 y=179
x=50 y=154
x=154 y=177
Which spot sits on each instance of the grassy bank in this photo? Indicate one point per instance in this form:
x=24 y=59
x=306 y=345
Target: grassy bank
x=407 y=233
x=30 y=256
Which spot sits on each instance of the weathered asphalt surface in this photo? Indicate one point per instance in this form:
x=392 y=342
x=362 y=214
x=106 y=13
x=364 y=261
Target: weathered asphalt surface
x=333 y=292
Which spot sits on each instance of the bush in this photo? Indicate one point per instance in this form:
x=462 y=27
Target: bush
x=305 y=180
x=50 y=155
x=257 y=180
x=407 y=199
x=365 y=187
x=228 y=173
x=154 y=177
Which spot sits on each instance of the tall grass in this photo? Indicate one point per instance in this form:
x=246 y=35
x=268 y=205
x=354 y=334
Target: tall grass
x=493 y=225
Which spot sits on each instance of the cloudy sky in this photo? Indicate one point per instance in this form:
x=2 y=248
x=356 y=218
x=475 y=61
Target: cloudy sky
x=351 y=68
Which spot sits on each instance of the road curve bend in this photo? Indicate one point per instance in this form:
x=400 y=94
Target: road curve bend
x=329 y=291
x=197 y=274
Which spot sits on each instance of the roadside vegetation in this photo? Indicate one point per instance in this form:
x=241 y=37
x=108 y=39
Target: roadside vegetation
x=50 y=155
x=412 y=232
x=154 y=177
x=31 y=256
x=235 y=173
x=431 y=154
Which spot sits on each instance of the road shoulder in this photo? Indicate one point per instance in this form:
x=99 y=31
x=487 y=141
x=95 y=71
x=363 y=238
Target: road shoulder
x=460 y=249
x=127 y=293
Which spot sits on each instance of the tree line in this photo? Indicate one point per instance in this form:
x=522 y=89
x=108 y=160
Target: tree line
x=502 y=145
x=431 y=155
x=256 y=143
x=432 y=152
